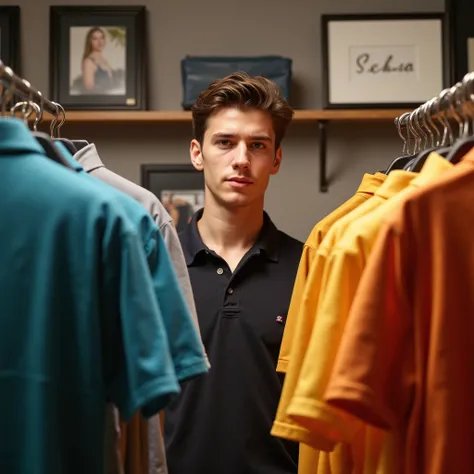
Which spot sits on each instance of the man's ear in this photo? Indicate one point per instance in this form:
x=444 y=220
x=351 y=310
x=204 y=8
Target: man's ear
x=196 y=155
x=277 y=161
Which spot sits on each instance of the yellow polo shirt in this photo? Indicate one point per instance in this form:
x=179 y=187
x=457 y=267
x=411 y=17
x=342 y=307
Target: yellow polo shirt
x=368 y=186
x=343 y=269
x=311 y=460
x=304 y=307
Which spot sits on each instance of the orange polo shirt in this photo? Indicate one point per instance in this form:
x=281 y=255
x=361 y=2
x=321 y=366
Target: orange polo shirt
x=405 y=361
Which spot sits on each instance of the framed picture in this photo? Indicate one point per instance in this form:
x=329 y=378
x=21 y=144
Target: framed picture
x=10 y=37
x=98 y=57
x=383 y=60
x=180 y=188
x=461 y=28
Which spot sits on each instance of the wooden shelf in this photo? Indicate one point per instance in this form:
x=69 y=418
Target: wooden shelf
x=172 y=116
x=320 y=117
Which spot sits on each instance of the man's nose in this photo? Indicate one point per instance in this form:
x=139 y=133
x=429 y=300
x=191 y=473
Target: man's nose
x=241 y=156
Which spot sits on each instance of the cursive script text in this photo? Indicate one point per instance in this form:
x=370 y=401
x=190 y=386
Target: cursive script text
x=365 y=65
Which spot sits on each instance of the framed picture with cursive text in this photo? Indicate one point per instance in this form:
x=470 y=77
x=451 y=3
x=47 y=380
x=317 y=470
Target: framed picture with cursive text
x=383 y=60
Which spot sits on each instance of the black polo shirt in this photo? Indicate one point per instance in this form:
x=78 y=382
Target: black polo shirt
x=221 y=423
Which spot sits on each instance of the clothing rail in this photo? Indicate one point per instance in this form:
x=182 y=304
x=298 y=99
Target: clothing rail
x=455 y=103
x=23 y=88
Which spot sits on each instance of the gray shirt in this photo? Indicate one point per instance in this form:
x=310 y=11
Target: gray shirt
x=90 y=160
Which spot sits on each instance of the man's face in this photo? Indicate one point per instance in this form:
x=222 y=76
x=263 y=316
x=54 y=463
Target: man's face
x=237 y=156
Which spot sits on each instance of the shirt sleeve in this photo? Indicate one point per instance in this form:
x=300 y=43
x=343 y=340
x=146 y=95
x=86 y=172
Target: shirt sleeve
x=374 y=372
x=137 y=366
x=308 y=408
x=185 y=343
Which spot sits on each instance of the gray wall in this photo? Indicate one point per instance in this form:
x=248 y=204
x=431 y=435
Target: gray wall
x=180 y=27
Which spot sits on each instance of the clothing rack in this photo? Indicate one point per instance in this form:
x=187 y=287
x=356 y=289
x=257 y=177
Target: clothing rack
x=25 y=90
x=431 y=124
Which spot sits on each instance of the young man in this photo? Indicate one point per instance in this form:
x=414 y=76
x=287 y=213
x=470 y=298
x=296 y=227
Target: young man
x=242 y=272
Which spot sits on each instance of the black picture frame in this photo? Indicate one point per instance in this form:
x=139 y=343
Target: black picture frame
x=184 y=181
x=10 y=37
x=461 y=28
x=125 y=29
x=444 y=73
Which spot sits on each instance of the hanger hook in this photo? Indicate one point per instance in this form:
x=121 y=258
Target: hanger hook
x=412 y=128
x=436 y=137
x=39 y=115
x=410 y=138
x=424 y=141
x=10 y=91
x=34 y=106
x=61 y=110
x=448 y=136
x=27 y=104
x=468 y=100
x=453 y=104
x=398 y=123
x=26 y=110
x=425 y=122
x=438 y=116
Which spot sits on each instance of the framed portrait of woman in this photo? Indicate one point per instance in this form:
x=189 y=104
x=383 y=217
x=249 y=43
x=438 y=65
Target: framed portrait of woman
x=98 y=57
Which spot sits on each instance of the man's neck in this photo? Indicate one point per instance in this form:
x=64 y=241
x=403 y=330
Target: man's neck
x=230 y=233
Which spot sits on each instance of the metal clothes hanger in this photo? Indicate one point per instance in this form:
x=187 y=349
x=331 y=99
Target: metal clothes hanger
x=67 y=143
x=51 y=151
x=72 y=145
x=448 y=134
x=418 y=133
x=466 y=142
x=420 y=160
x=399 y=162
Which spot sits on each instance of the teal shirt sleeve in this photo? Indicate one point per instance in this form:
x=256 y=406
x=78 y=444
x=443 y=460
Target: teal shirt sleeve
x=137 y=365
x=184 y=341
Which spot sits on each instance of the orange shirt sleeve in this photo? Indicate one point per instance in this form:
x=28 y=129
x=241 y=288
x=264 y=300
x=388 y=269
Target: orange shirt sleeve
x=374 y=374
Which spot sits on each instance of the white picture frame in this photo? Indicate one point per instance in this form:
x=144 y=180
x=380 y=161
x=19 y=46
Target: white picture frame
x=383 y=60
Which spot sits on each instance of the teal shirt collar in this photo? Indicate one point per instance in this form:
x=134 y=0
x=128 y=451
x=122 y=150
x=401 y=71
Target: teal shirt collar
x=16 y=137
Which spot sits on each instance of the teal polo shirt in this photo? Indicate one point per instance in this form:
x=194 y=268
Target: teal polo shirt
x=184 y=341
x=79 y=320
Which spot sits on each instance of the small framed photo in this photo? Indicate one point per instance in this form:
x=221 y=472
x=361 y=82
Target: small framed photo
x=180 y=188
x=461 y=27
x=98 y=59
x=10 y=37
x=383 y=60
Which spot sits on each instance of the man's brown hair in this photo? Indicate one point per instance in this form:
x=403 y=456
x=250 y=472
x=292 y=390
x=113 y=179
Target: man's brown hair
x=242 y=91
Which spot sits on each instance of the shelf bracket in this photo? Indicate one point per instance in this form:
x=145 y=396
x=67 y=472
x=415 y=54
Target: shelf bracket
x=323 y=180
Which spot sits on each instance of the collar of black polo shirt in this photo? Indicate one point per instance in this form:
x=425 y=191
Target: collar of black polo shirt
x=193 y=245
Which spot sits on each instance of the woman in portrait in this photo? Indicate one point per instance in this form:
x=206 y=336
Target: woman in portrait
x=96 y=71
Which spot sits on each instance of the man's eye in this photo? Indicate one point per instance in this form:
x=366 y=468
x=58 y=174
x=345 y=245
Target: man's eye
x=258 y=145
x=224 y=143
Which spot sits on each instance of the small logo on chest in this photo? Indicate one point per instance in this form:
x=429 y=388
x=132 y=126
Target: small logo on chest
x=279 y=319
